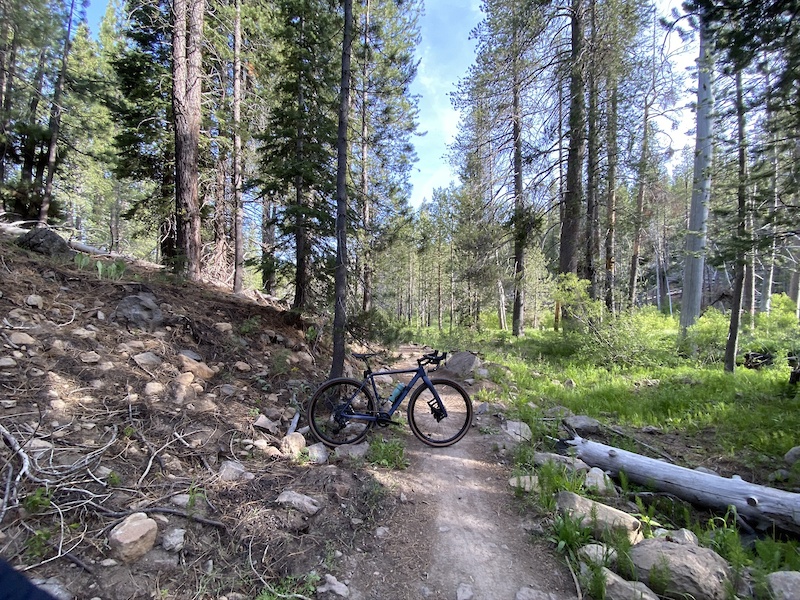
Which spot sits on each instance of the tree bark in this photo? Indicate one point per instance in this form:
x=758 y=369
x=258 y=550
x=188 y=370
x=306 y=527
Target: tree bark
x=187 y=43
x=638 y=217
x=611 y=199
x=573 y=195
x=701 y=192
x=762 y=504
x=340 y=275
x=366 y=207
x=593 y=152
x=732 y=343
x=520 y=220
x=238 y=207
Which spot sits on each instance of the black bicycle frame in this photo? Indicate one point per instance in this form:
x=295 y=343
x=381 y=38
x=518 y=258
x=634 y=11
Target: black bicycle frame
x=419 y=373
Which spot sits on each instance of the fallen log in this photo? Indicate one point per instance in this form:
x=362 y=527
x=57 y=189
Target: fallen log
x=761 y=504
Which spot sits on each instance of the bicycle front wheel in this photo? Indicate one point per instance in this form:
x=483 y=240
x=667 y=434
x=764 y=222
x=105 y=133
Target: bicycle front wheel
x=332 y=408
x=426 y=417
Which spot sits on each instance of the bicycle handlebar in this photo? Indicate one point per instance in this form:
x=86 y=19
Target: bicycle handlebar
x=432 y=358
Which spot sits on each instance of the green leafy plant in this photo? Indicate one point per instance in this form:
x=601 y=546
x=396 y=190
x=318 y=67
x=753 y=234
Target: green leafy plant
x=291 y=587
x=250 y=325
x=37 y=545
x=659 y=577
x=113 y=479
x=569 y=534
x=387 y=453
x=37 y=501
x=82 y=261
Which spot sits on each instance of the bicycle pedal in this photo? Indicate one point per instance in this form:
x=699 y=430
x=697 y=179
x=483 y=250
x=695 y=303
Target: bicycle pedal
x=386 y=421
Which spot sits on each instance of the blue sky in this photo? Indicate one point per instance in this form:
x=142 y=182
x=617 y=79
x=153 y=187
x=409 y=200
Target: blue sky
x=445 y=54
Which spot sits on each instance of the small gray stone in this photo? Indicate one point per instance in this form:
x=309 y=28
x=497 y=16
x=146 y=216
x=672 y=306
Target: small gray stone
x=518 y=431
x=792 y=456
x=334 y=585
x=153 y=388
x=191 y=354
x=6 y=362
x=301 y=502
x=174 y=540
x=263 y=422
x=598 y=554
x=318 y=453
x=599 y=482
x=231 y=470
x=20 y=338
x=583 y=425
x=784 y=585
x=527 y=483
x=293 y=444
x=34 y=300
x=54 y=587
x=147 y=360
x=464 y=592
x=354 y=451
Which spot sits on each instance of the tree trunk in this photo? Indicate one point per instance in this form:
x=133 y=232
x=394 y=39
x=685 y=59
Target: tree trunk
x=366 y=207
x=520 y=227
x=340 y=275
x=238 y=207
x=187 y=86
x=268 y=261
x=55 y=123
x=769 y=274
x=638 y=217
x=732 y=345
x=570 y=226
x=593 y=170
x=611 y=199
x=762 y=504
x=701 y=192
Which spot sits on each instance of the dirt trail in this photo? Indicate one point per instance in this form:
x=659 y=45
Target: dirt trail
x=456 y=531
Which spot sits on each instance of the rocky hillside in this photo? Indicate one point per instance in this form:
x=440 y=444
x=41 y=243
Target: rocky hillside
x=128 y=406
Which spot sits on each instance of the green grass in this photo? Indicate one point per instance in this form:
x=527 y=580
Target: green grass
x=387 y=453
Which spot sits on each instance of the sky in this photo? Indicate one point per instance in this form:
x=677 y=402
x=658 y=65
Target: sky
x=445 y=54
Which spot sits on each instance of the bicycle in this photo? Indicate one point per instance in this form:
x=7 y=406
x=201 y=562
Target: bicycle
x=343 y=410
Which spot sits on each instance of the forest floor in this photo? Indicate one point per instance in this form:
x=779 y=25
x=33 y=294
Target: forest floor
x=93 y=433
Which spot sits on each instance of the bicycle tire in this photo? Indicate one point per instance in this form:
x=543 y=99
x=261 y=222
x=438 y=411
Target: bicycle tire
x=422 y=418
x=328 y=410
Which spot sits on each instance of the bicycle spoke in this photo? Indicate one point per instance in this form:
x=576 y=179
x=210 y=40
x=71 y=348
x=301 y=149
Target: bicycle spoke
x=440 y=424
x=332 y=409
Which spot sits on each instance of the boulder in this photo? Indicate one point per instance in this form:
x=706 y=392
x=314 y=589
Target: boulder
x=784 y=585
x=518 y=431
x=293 y=444
x=583 y=425
x=45 y=241
x=619 y=589
x=463 y=364
x=604 y=520
x=600 y=483
x=680 y=570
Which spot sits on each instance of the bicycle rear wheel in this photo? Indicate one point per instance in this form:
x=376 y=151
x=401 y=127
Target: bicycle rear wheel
x=331 y=408
x=427 y=420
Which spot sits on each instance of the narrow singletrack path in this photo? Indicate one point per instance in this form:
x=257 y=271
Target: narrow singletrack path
x=457 y=532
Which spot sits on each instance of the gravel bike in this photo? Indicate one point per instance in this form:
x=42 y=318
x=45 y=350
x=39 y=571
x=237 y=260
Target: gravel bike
x=343 y=410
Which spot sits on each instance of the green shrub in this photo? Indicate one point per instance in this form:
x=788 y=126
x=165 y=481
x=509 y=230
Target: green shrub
x=706 y=339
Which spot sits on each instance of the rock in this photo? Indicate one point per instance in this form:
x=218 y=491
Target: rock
x=139 y=310
x=153 y=388
x=382 y=532
x=353 y=451
x=262 y=422
x=604 y=520
x=267 y=449
x=619 y=589
x=569 y=384
x=293 y=444
x=334 y=585
x=6 y=362
x=133 y=538
x=8 y=403
x=573 y=464
x=223 y=327
x=598 y=554
x=45 y=241
x=682 y=536
x=34 y=300
x=178 y=393
x=147 y=360
x=54 y=587
x=583 y=425
x=174 y=540
x=527 y=483
x=784 y=585
x=89 y=358
x=199 y=369
x=597 y=481
x=318 y=453
x=301 y=502
x=518 y=431
x=792 y=456
x=232 y=470
x=20 y=338
x=463 y=364
x=680 y=571
x=242 y=366
x=464 y=592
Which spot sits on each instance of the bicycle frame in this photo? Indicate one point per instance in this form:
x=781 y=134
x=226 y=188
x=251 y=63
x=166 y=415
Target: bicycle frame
x=369 y=376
